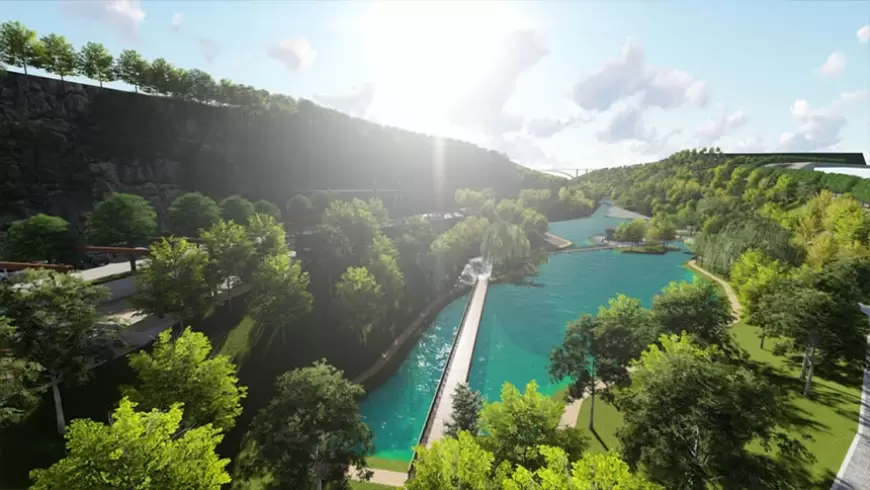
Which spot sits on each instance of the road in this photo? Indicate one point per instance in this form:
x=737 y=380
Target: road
x=105 y=270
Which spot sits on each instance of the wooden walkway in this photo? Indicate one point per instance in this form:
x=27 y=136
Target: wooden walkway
x=458 y=366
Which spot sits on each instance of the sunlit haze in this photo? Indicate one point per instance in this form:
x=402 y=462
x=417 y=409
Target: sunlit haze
x=551 y=84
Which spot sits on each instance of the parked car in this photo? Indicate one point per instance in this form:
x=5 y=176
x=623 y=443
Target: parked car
x=6 y=274
x=97 y=259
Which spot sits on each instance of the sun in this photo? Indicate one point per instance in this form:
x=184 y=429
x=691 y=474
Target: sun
x=427 y=55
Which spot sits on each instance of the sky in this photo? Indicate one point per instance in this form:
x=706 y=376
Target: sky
x=553 y=84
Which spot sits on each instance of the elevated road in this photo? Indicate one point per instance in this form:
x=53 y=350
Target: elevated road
x=458 y=365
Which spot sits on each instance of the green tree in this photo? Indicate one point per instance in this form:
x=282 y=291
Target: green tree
x=174 y=281
x=815 y=320
x=183 y=371
x=360 y=301
x=467 y=405
x=535 y=198
x=57 y=326
x=18 y=390
x=661 y=229
x=202 y=86
x=506 y=247
x=631 y=231
x=268 y=237
x=41 y=237
x=191 y=212
x=132 y=68
x=279 y=298
x=57 y=56
x=299 y=208
x=689 y=417
x=236 y=208
x=521 y=422
x=96 y=63
x=18 y=45
x=267 y=207
x=158 y=77
x=122 y=219
x=312 y=430
x=593 y=472
x=696 y=308
x=593 y=353
x=229 y=251
x=451 y=463
x=321 y=200
x=138 y=450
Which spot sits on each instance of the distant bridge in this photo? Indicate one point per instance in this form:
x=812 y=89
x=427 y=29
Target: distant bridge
x=571 y=173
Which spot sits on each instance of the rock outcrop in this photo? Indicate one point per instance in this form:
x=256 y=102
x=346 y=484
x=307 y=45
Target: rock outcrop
x=64 y=146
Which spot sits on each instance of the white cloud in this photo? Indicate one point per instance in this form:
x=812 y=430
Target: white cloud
x=834 y=66
x=124 y=15
x=819 y=128
x=526 y=151
x=546 y=127
x=628 y=126
x=294 y=53
x=177 y=20
x=752 y=144
x=355 y=103
x=629 y=75
x=864 y=34
x=713 y=130
x=209 y=48
x=482 y=105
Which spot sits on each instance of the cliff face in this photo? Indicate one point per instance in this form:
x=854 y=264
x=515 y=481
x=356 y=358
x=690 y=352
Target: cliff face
x=63 y=146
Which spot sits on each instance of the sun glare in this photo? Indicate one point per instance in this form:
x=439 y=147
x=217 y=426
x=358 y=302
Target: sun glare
x=428 y=54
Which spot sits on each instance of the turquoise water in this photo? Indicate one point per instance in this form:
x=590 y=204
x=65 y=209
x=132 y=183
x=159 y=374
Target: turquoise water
x=579 y=230
x=522 y=324
x=520 y=327
x=396 y=410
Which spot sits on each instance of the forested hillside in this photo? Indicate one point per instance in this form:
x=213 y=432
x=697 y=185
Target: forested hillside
x=66 y=145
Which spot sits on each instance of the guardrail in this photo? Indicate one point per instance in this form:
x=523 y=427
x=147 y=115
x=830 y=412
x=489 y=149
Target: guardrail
x=440 y=389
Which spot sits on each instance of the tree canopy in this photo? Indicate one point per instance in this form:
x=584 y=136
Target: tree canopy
x=122 y=219
x=182 y=370
x=192 y=212
x=41 y=237
x=137 y=450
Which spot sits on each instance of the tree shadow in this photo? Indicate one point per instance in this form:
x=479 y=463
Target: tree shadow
x=600 y=440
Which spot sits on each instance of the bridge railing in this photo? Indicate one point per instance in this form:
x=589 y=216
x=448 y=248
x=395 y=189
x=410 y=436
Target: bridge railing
x=421 y=439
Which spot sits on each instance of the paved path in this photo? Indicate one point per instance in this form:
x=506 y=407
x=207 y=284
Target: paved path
x=855 y=472
x=459 y=363
x=557 y=242
x=729 y=291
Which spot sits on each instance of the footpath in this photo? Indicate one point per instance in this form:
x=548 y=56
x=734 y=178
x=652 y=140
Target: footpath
x=854 y=473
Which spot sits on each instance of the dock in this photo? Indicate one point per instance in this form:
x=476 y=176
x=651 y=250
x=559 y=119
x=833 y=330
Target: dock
x=458 y=365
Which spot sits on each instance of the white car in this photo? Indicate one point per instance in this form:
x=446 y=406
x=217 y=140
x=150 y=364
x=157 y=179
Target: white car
x=6 y=274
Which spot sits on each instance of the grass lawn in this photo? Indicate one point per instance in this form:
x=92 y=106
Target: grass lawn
x=387 y=464
x=237 y=343
x=829 y=416
x=363 y=485
x=607 y=420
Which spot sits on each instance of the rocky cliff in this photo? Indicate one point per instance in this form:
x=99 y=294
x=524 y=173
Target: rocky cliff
x=63 y=146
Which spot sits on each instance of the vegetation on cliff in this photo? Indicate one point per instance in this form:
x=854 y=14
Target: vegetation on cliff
x=230 y=139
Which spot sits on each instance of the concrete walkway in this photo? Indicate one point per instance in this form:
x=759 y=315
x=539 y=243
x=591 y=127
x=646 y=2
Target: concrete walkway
x=459 y=364
x=557 y=242
x=855 y=472
x=729 y=291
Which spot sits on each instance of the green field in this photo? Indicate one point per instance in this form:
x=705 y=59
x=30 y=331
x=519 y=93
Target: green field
x=607 y=420
x=829 y=418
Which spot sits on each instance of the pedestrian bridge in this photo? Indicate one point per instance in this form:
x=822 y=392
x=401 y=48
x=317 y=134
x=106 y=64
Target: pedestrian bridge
x=458 y=364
